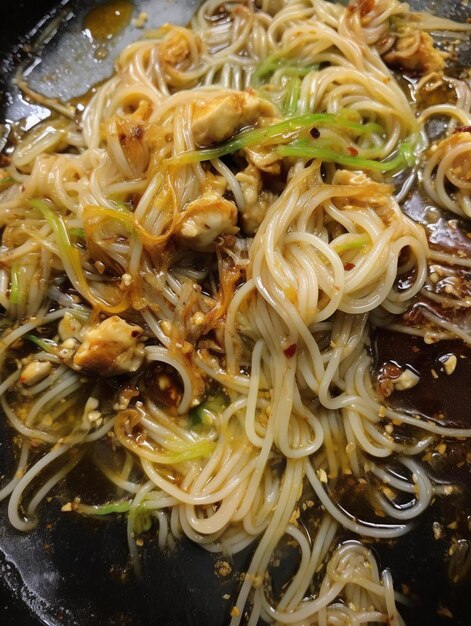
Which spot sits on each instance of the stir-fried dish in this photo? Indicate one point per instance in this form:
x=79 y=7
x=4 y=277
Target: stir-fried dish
x=191 y=272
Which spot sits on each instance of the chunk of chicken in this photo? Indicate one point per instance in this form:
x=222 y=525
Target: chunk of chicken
x=461 y=166
x=221 y=117
x=257 y=201
x=253 y=215
x=375 y=196
x=174 y=49
x=213 y=182
x=205 y=219
x=128 y=134
x=265 y=159
x=415 y=52
x=251 y=184
x=69 y=327
x=346 y=177
x=111 y=348
x=177 y=46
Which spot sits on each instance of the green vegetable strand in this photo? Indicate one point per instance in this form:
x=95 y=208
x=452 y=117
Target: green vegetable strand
x=404 y=156
x=140 y=516
x=290 y=101
x=274 y=62
x=105 y=509
x=55 y=221
x=67 y=251
x=48 y=345
x=279 y=132
x=77 y=232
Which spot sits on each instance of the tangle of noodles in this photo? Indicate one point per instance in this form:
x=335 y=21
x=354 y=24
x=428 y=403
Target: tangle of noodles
x=190 y=272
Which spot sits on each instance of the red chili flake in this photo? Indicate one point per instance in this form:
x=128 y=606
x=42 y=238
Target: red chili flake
x=315 y=133
x=250 y=91
x=290 y=351
x=348 y=266
x=463 y=129
x=366 y=6
x=353 y=151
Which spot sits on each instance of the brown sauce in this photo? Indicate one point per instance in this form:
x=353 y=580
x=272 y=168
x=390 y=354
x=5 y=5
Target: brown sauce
x=81 y=101
x=440 y=397
x=450 y=235
x=108 y=20
x=435 y=92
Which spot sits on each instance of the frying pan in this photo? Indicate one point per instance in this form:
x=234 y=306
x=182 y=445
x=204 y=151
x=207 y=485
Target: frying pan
x=75 y=571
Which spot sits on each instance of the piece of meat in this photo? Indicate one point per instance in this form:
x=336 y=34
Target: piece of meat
x=265 y=159
x=252 y=216
x=111 y=348
x=415 y=51
x=251 y=184
x=130 y=135
x=204 y=220
x=346 y=177
x=257 y=201
x=215 y=183
x=176 y=48
x=376 y=196
x=69 y=327
x=218 y=119
x=461 y=167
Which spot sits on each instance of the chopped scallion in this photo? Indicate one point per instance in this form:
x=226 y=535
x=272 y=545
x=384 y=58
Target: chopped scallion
x=79 y=233
x=105 y=509
x=353 y=242
x=274 y=62
x=48 y=345
x=291 y=97
x=57 y=224
x=279 y=132
x=214 y=404
x=403 y=157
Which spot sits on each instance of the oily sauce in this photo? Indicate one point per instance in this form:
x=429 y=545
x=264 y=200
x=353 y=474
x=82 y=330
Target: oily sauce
x=108 y=20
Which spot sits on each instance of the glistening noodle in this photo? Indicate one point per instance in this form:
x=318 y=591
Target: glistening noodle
x=190 y=273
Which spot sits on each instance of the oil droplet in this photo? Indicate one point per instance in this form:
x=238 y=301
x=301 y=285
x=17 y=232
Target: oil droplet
x=108 y=20
x=101 y=53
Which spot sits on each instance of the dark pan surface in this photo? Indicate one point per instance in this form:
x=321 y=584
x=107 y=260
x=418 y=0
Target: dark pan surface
x=75 y=571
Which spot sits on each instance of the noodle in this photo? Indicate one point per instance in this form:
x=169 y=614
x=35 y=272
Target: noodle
x=217 y=235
